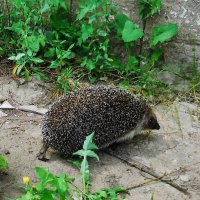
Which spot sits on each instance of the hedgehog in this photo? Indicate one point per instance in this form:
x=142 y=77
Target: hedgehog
x=113 y=114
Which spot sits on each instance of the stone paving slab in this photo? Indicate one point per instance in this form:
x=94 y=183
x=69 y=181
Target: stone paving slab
x=173 y=152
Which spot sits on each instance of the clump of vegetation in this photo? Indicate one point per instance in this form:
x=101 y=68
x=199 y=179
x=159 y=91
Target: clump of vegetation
x=48 y=40
x=62 y=187
x=3 y=163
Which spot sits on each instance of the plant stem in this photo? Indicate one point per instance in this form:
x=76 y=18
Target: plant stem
x=144 y=21
x=8 y=10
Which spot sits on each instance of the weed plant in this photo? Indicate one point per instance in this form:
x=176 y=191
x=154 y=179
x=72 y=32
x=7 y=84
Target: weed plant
x=3 y=163
x=62 y=187
x=50 y=41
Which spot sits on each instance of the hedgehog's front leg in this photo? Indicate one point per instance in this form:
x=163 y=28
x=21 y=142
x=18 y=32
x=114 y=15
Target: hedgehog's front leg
x=42 y=153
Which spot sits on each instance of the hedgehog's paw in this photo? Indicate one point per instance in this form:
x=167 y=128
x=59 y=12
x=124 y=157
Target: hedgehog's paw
x=42 y=153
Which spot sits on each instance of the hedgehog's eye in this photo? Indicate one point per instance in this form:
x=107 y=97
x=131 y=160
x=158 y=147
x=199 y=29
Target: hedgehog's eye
x=150 y=121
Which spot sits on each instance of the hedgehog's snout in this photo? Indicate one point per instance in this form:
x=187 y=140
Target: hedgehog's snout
x=153 y=124
x=156 y=125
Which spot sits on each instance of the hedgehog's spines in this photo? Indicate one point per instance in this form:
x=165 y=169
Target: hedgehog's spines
x=109 y=112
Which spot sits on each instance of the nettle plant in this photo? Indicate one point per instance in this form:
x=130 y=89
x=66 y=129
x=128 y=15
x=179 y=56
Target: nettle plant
x=47 y=39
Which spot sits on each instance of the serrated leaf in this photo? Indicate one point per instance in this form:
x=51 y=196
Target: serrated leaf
x=162 y=33
x=131 y=32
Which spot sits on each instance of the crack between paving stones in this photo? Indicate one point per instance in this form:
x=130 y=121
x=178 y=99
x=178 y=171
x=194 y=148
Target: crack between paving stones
x=147 y=170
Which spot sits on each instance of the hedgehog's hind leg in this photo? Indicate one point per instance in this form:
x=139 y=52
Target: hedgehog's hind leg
x=42 y=153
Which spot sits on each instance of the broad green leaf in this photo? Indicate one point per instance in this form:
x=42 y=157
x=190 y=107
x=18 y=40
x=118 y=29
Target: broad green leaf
x=33 y=43
x=103 y=194
x=155 y=6
x=42 y=40
x=131 y=32
x=62 y=186
x=162 y=33
x=44 y=176
x=19 y=55
x=92 y=154
x=132 y=60
x=37 y=60
x=88 y=144
x=92 y=18
x=86 y=7
x=90 y=65
x=79 y=153
x=16 y=27
x=45 y=7
x=12 y=58
x=54 y=64
x=20 y=68
x=120 y=22
x=3 y=163
x=29 y=53
x=87 y=31
x=148 y=8
x=50 y=53
x=47 y=195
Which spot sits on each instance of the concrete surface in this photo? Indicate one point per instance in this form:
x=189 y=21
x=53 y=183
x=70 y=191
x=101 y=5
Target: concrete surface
x=173 y=152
